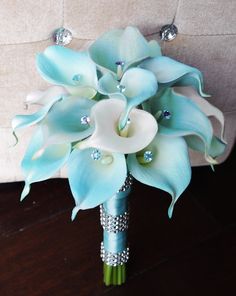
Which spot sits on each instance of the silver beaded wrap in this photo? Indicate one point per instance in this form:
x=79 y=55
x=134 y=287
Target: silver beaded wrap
x=114 y=223
x=127 y=184
x=114 y=259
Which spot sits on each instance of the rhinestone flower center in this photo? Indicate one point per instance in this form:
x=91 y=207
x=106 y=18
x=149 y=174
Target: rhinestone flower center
x=166 y=114
x=76 y=77
x=148 y=156
x=96 y=154
x=85 y=120
x=121 y=88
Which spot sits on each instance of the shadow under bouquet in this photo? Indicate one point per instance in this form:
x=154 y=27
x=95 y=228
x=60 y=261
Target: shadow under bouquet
x=119 y=110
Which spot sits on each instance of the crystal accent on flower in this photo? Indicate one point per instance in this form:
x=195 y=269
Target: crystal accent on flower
x=62 y=36
x=120 y=63
x=96 y=154
x=121 y=88
x=148 y=156
x=112 y=223
x=85 y=120
x=166 y=114
x=114 y=259
x=76 y=77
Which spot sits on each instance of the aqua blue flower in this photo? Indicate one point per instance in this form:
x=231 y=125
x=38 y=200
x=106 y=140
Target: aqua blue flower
x=122 y=49
x=73 y=70
x=135 y=87
x=94 y=180
x=170 y=72
x=182 y=116
x=41 y=167
x=167 y=167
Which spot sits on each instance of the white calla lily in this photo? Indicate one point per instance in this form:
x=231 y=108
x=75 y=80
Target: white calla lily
x=45 y=97
x=204 y=105
x=105 y=115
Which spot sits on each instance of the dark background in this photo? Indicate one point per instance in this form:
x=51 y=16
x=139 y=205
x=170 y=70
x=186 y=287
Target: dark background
x=43 y=253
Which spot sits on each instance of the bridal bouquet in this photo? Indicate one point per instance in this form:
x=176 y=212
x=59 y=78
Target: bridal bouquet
x=119 y=110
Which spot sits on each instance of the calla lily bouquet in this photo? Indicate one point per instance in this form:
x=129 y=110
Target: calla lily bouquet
x=119 y=108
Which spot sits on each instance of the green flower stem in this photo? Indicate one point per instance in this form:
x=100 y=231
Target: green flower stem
x=114 y=275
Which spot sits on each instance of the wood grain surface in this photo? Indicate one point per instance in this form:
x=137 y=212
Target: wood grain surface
x=43 y=253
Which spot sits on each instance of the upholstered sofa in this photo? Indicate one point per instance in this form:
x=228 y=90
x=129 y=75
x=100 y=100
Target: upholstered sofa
x=206 y=39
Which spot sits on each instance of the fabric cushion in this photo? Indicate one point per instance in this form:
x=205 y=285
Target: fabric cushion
x=206 y=40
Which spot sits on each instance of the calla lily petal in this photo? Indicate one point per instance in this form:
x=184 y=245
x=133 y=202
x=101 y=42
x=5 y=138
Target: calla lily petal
x=216 y=148
x=105 y=115
x=46 y=164
x=154 y=48
x=137 y=86
x=170 y=72
x=105 y=50
x=169 y=169
x=45 y=97
x=73 y=70
x=133 y=47
x=108 y=85
x=204 y=105
x=92 y=182
x=64 y=122
x=128 y=46
x=185 y=117
x=22 y=121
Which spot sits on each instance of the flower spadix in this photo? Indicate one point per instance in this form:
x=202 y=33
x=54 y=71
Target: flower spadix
x=141 y=129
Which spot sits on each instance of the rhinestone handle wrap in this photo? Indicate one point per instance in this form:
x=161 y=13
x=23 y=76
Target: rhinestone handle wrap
x=114 y=218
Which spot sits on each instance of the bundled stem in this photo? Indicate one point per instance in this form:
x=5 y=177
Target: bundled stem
x=114 y=275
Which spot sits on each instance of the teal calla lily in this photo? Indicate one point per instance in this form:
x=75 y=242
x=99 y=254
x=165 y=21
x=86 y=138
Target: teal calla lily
x=127 y=46
x=73 y=70
x=92 y=182
x=170 y=72
x=185 y=118
x=217 y=147
x=135 y=86
x=169 y=169
x=41 y=167
x=68 y=121
x=23 y=121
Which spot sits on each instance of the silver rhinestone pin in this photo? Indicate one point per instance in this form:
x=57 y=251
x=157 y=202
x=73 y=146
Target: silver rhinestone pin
x=148 y=156
x=62 y=36
x=121 y=88
x=96 y=154
x=168 y=32
x=76 y=77
x=85 y=120
x=120 y=63
x=166 y=114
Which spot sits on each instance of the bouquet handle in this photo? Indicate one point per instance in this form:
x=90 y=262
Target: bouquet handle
x=114 y=217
